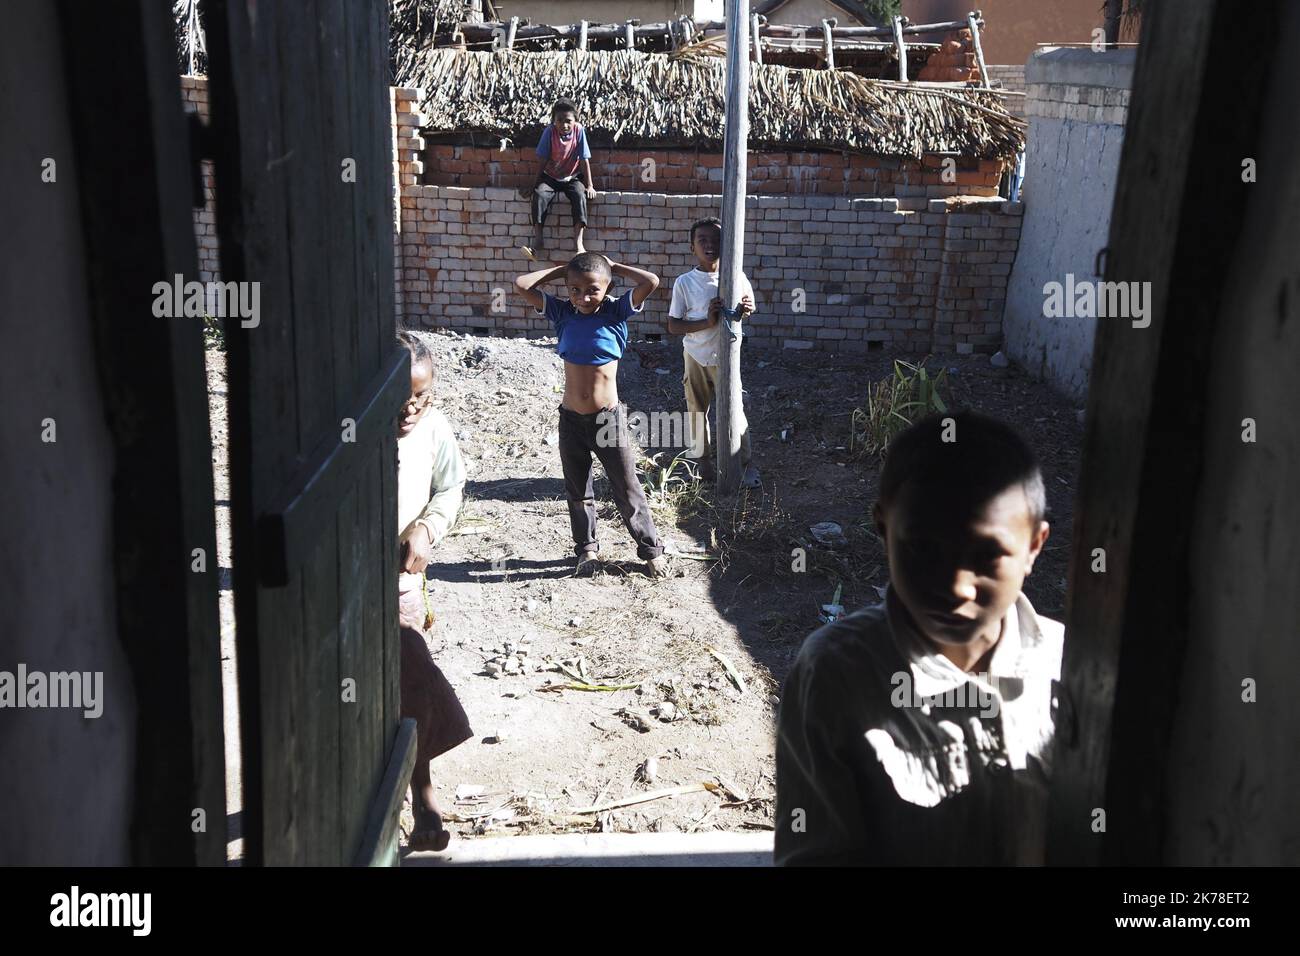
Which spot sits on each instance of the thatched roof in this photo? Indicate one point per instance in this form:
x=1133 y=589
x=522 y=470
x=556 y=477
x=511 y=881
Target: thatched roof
x=637 y=98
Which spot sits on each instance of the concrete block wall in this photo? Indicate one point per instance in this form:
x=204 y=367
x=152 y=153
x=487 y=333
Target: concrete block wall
x=828 y=272
x=1077 y=105
x=1010 y=76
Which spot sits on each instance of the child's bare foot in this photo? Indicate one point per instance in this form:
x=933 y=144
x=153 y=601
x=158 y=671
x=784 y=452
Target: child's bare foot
x=429 y=837
x=428 y=833
x=586 y=565
x=657 y=567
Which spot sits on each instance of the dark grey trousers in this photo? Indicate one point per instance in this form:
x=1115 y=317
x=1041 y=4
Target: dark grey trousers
x=605 y=435
x=544 y=194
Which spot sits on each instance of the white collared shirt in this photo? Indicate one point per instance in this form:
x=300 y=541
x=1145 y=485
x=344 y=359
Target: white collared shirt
x=692 y=293
x=430 y=482
x=1018 y=681
x=895 y=755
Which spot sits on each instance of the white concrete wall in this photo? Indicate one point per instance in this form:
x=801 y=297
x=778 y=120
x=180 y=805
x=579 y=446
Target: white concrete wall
x=703 y=9
x=811 y=13
x=1077 y=104
x=560 y=12
x=65 y=780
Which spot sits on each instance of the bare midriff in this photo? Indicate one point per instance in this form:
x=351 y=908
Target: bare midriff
x=590 y=388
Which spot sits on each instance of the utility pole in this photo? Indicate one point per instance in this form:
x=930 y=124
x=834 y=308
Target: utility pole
x=735 y=154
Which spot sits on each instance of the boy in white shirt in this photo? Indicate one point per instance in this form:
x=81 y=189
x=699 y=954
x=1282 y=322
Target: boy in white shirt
x=695 y=314
x=430 y=487
x=920 y=731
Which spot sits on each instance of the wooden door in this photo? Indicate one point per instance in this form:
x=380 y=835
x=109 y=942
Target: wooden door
x=1179 y=214
x=301 y=135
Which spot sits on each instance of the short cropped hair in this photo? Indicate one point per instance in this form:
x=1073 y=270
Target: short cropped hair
x=563 y=106
x=985 y=458
x=417 y=347
x=706 y=221
x=589 y=262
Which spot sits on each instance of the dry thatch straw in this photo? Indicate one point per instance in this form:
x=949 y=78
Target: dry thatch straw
x=628 y=96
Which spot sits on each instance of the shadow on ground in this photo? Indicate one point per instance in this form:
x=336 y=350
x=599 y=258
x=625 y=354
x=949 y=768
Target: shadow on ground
x=799 y=410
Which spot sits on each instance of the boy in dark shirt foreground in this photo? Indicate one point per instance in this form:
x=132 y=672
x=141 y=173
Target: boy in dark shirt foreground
x=919 y=731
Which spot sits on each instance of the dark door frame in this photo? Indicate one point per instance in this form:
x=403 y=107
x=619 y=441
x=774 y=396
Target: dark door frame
x=134 y=177
x=1196 y=111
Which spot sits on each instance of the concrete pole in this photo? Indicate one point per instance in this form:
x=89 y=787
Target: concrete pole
x=735 y=154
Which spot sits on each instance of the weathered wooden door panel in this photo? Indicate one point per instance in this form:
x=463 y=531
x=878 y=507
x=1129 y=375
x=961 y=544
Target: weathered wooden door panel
x=1147 y=434
x=301 y=118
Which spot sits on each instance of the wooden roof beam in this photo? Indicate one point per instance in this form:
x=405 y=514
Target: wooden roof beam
x=483 y=32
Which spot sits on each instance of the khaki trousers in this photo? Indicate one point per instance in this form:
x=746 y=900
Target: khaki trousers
x=701 y=384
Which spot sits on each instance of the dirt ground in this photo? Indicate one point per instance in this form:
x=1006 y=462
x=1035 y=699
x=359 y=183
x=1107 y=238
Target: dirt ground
x=218 y=426
x=502 y=587
x=502 y=584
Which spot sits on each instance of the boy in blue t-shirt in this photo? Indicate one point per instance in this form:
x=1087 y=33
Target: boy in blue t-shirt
x=592 y=330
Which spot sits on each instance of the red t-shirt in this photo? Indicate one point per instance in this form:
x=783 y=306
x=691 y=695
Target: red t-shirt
x=563 y=155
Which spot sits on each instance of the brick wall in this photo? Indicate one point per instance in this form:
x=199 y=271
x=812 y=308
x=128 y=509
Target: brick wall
x=407 y=169
x=685 y=172
x=954 y=63
x=830 y=271
x=194 y=91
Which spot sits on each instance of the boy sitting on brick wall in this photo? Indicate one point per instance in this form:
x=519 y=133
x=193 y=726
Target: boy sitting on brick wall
x=564 y=156
x=695 y=313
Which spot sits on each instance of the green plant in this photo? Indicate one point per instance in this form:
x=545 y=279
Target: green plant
x=884 y=11
x=214 y=333
x=894 y=403
x=675 y=486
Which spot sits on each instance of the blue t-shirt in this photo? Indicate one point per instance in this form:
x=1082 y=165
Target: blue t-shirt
x=595 y=339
